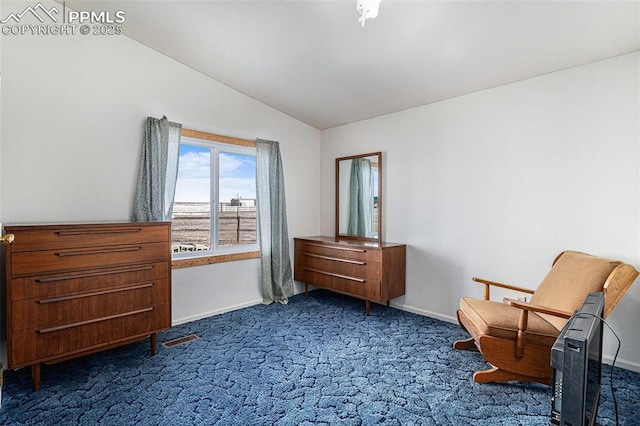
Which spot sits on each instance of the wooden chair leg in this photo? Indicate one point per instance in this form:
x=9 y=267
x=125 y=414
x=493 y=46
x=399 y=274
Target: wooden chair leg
x=35 y=376
x=465 y=344
x=154 y=342
x=497 y=375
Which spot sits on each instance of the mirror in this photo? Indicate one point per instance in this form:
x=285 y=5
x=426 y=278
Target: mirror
x=359 y=197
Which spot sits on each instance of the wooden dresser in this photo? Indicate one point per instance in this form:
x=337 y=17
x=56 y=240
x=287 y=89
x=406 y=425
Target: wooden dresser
x=371 y=271
x=81 y=288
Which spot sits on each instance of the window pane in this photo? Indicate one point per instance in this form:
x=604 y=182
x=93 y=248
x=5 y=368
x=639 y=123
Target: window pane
x=237 y=199
x=191 y=222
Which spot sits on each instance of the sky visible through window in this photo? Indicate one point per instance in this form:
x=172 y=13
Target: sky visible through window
x=237 y=175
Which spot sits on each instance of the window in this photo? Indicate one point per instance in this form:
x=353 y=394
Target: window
x=214 y=209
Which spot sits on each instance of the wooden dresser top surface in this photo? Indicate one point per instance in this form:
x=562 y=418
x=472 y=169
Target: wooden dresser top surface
x=350 y=243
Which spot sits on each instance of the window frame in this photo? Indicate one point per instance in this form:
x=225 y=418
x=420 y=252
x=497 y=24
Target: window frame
x=217 y=143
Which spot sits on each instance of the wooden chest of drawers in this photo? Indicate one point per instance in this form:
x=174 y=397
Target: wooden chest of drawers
x=371 y=271
x=78 y=289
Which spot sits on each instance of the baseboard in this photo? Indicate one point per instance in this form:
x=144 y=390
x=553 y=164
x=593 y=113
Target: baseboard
x=414 y=310
x=225 y=310
x=216 y=312
x=622 y=363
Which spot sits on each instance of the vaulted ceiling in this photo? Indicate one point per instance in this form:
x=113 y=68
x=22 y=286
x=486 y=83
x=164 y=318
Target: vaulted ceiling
x=313 y=61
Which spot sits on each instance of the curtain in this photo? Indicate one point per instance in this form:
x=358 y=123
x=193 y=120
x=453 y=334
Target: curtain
x=158 y=171
x=361 y=198
x=275 y=264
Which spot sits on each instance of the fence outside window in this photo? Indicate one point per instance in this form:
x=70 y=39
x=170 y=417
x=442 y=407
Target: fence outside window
x=191 y=225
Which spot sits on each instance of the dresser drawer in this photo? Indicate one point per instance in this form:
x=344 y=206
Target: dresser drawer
x=38 y=238
x=63 y=312
x=30 y=262
x=339 y=251
x=50 y=344
x=338 y=265
x=61 y=284
x=357 y=286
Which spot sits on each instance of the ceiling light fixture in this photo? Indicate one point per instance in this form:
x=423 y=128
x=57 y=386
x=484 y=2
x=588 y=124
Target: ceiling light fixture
x=367 y=9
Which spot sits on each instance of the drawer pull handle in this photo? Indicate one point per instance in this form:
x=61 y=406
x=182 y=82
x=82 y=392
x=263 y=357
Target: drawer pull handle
x=337 y=248
x=335 y=259
x=78 y=324
x=103 y=251
x=93 y=274
x=331 y=274
x=95 y=293
x=7 y=238
x=98 y=231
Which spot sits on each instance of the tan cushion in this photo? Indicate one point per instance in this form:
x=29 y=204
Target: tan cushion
x=570 y=280
x=498 y=319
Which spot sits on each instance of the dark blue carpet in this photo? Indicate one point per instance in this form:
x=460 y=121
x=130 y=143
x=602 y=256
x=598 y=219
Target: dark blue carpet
x=314 y=361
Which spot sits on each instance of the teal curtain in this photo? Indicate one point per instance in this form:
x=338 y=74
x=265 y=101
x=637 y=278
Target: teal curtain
x=276 y=277
x=158 y=171
x=361 y=198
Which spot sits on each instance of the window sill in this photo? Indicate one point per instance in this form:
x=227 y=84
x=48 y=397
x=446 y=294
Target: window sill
x=209 y=260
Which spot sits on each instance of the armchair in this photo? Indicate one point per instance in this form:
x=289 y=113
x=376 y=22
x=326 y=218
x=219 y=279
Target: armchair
x=515 y=337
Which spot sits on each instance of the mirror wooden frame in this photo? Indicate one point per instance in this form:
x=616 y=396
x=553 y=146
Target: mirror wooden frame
x=338 y=235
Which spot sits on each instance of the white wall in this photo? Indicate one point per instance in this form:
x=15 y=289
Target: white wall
x=495 y=184
x=2 y=270
x=1 y=14
x=73 y=112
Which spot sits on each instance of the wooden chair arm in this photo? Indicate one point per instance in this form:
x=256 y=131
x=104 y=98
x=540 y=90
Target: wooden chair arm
x=537 y=308
x=488 y=284
x=524 y=320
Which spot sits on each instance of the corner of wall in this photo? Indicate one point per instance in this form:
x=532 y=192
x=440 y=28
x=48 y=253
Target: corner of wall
x=1 y=119
x=3 y=352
